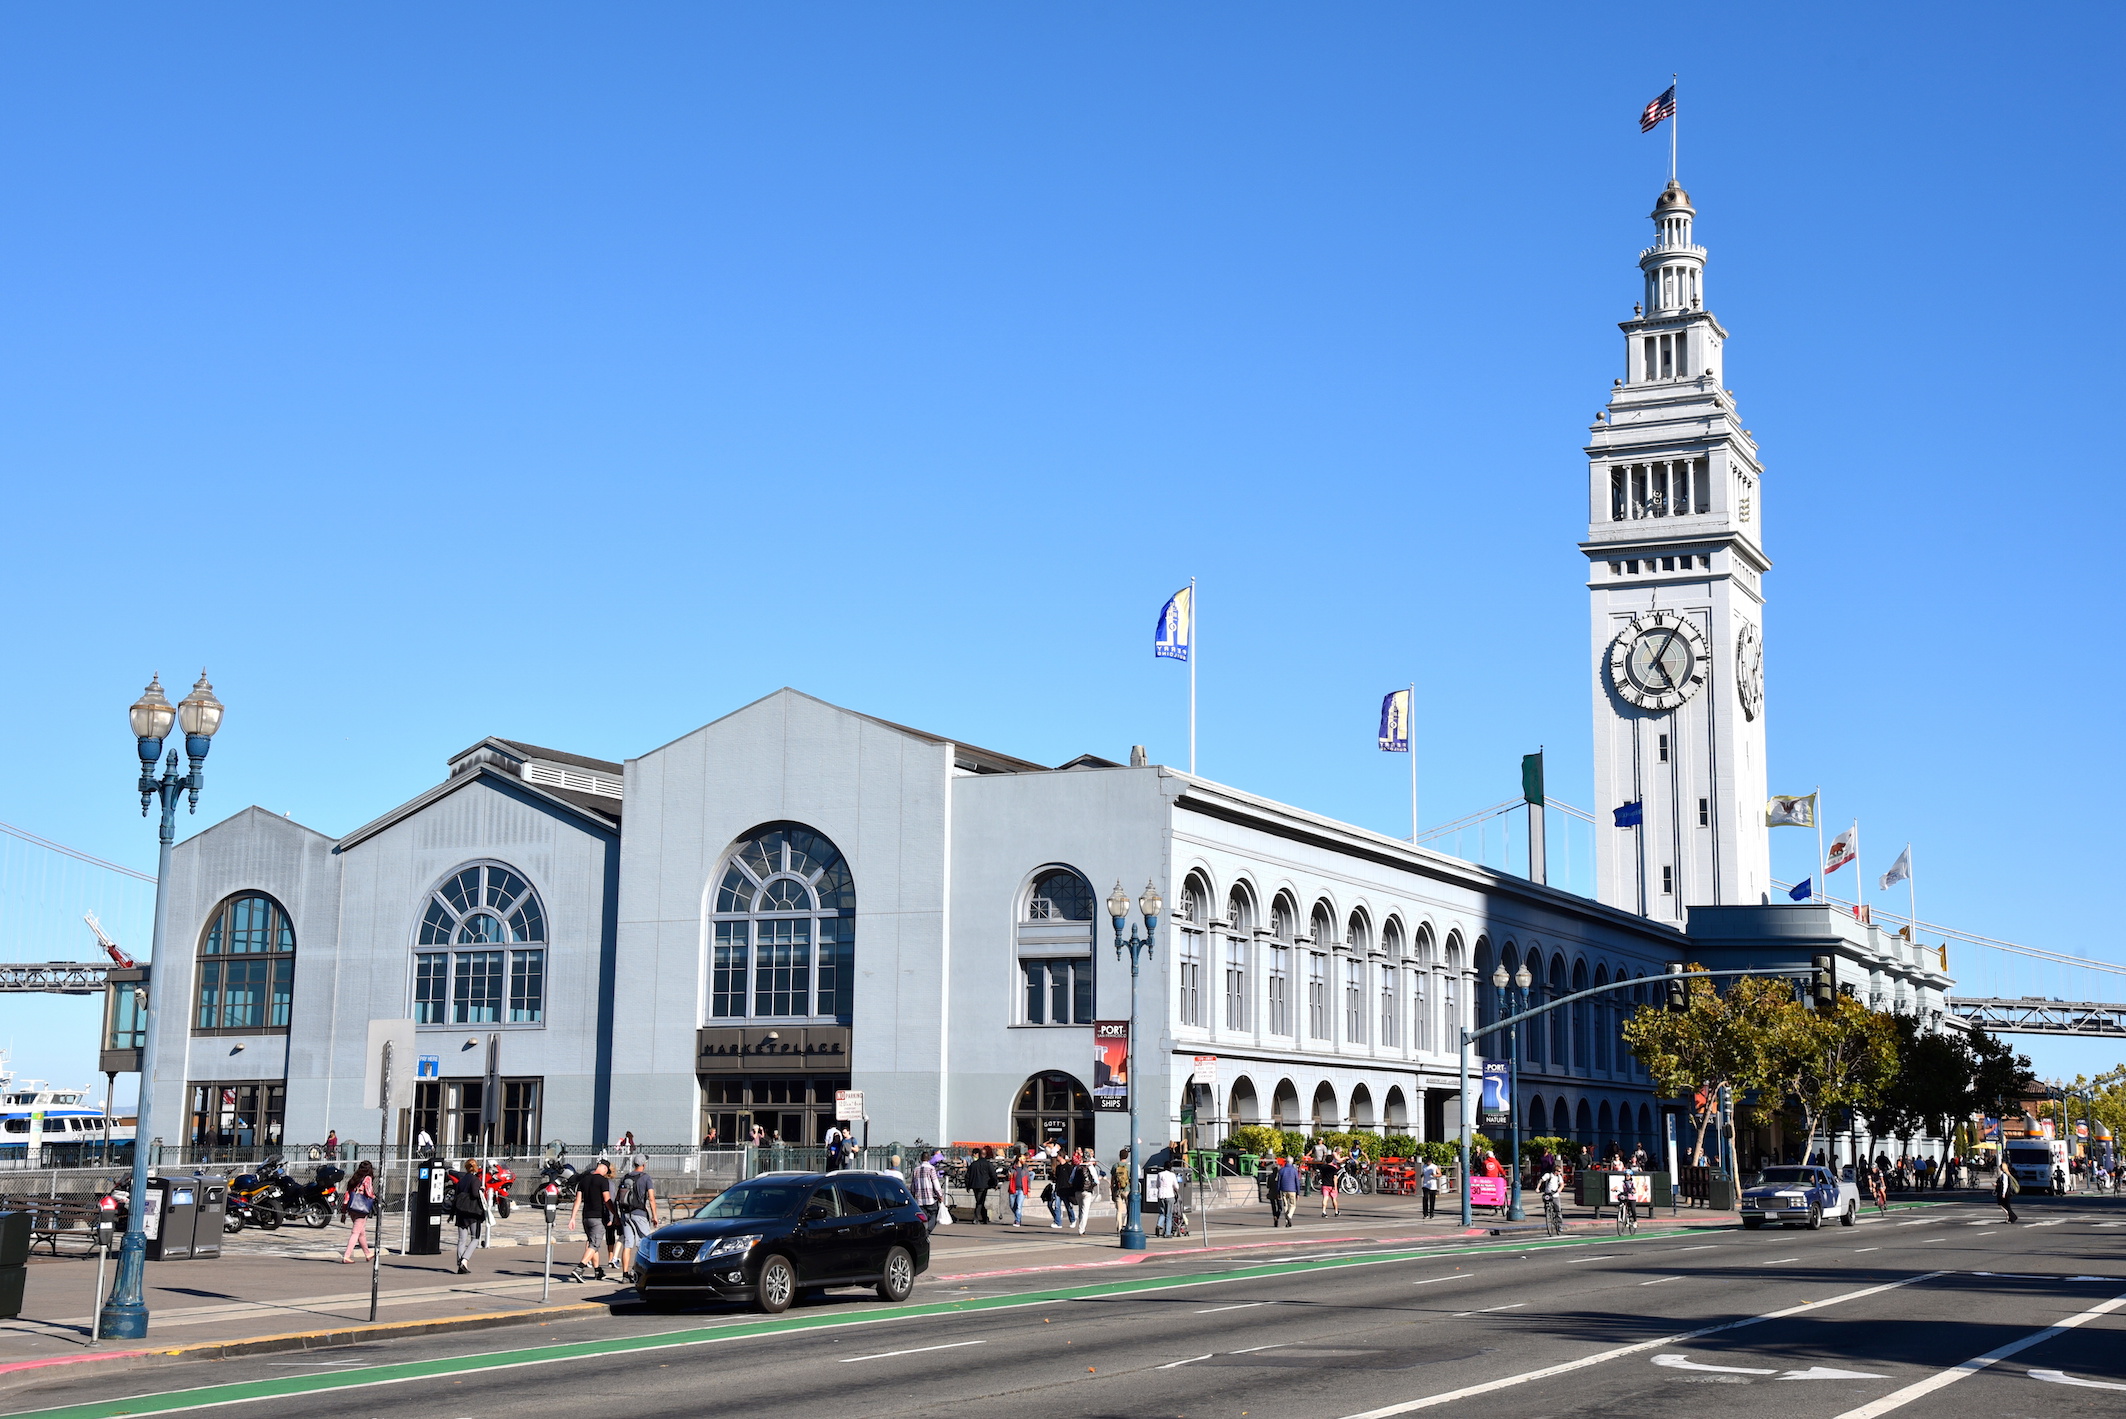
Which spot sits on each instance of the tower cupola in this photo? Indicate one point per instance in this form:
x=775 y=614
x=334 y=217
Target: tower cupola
x=1674 y=265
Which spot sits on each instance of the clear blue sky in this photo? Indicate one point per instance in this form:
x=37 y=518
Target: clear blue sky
x=579 y=374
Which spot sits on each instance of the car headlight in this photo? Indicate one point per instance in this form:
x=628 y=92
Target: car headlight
x=725 y=1246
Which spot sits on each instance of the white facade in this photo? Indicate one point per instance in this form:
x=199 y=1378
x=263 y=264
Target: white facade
x=1676 y=563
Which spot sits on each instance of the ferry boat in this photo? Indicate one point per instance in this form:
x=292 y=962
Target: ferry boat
x=34 y=1114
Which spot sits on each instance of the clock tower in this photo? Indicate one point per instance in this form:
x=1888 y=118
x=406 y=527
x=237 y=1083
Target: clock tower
x=1675 y=560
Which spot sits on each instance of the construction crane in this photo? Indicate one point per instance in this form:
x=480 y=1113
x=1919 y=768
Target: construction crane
x=110 y=947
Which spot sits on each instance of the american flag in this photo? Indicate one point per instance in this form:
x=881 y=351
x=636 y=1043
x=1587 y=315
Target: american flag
x=1662 y=107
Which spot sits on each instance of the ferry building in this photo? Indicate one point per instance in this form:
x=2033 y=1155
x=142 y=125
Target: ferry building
x=799 y=898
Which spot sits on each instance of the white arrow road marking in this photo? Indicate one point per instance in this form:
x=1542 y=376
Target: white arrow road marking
x=1820 y=1372
x=1899 y=1398
x=2061 y=1377
x=1455 y=1396
x=889 y=1354
x=1679 y=1362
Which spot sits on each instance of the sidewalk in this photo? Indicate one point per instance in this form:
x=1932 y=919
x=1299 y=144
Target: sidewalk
x=290 y=1284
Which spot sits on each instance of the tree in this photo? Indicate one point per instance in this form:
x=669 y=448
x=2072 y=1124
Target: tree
x=1840 y=1058
x=1716 y=1040
x=2000 y=1078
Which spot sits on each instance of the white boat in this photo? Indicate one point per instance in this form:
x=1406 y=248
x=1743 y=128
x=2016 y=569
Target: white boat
x=34 y=1113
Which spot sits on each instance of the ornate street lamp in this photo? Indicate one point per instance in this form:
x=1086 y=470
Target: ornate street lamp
x=1150 y=906
x=1515 y=1001
x=125 y=1314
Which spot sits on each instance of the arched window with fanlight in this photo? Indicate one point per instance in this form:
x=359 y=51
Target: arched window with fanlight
x=785 y=929
x=481 y=956
x=1055 y=948
x=246 y=976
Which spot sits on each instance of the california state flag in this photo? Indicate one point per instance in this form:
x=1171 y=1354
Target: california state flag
x=1844 y=848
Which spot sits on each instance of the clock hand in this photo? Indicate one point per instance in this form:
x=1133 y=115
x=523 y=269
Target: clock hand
x=1659 y=659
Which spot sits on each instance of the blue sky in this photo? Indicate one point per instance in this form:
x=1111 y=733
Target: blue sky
x=580 y=374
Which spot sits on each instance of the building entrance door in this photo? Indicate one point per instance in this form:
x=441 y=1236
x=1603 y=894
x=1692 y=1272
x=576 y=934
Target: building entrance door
x=792 y=1111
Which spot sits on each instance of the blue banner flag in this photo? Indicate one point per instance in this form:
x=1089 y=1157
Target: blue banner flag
x=1630 y=814
x=1395 y=722
x=1803 y=889
x=1177 y=625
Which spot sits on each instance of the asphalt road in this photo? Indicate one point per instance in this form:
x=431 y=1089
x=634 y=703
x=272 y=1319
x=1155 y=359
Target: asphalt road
x=1838 y=1324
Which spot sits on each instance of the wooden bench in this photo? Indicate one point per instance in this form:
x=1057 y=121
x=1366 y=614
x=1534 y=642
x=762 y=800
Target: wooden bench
x=50 y=1217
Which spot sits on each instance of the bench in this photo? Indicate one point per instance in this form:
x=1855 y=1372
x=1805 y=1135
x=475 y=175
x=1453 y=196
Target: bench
x=52 y=1216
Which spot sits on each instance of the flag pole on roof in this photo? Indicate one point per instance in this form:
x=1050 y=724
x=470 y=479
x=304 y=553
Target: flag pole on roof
x=1175 y=639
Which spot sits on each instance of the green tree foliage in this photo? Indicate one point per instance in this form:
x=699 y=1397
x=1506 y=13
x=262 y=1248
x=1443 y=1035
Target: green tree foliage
x=1718 y=1040
x=1840 y=1058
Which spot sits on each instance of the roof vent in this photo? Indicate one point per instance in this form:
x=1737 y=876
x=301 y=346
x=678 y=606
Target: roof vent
x=1137 y=756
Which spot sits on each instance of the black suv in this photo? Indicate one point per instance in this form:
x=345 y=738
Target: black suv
x=771 y=1237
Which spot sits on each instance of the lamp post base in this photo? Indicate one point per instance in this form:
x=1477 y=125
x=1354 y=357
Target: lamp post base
x=125 y=1314
x=1514 y=1213
x=1133 y=1238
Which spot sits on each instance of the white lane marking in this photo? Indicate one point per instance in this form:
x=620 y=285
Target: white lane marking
x=1920 y=1223
x=1858 y=1250
x=1927 y=1241
x=1489 y=1309
x=1189 y=1361
x=1435 y=1280
x=1679 y=1362
x=1975 y=1234
x=1509 y=1381
x=2061 y=1377
x=1253 y=1348
x=1659 y=1279
x=1208 y=1310
x=2053 y=1223
x=1899 y=1398
x=1709 y=1246
x=918 y=1350
x=1575 y=1260
x=1780 y=1262
x=1824 y=1372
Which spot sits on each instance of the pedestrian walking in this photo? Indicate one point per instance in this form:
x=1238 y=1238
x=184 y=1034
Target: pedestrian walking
x=708 y=1140
x=332 y=1143
x=1017 y=1180
x=1284 y=1200
x=929 y=1191
x=635 y=1204
x=468 y=1211
x=1325 y=1170
x=1081 y=1186
x=1118 y=1190
x=2005 y=1187
x=1428 y=1185
x=592 y=1208
x=423 y=1144
x=981 y=1181
x=360 y=1206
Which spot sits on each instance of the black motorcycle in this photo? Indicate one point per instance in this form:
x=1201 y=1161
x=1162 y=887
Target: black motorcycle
x=269 y=1197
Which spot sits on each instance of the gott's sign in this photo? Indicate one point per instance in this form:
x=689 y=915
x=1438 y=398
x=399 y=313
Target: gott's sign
x=800 y=1049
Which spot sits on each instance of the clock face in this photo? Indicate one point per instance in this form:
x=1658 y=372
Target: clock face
x=1658 y=662
x=1749 y=669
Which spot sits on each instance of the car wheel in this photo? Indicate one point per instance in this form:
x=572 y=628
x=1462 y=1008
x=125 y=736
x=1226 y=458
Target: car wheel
x=777 y=1286
x=899 y=1279
x=1751 y=1224
x=1816 y=1217
x=1851 y=1215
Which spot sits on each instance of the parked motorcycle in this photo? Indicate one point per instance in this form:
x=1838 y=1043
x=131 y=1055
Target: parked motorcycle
x=249 y=1203
x=497 y=1179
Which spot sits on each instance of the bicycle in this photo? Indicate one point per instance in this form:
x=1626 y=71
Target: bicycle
x=1553 y=1215
x=1627 y=1217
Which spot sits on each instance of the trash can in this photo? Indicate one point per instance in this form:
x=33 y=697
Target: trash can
x=430 y=1206
x=173 y=1213
x=208 y=1218
x=14 y=1261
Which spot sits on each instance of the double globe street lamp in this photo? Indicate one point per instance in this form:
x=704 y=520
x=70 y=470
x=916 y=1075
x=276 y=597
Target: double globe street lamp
x=1150 y=905
x=125 y=1314
x=1513 y=992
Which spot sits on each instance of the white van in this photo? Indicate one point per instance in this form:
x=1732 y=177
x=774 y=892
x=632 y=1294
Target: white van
x=2033 y=1161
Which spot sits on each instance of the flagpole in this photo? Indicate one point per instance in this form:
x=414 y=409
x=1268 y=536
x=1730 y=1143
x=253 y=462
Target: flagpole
x=1912 y=888
x=1823 y=885
x=1675 y=121
x=1410 y=733
x=1192 y=623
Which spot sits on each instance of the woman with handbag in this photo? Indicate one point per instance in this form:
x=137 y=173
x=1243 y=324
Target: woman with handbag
x=361 y=1206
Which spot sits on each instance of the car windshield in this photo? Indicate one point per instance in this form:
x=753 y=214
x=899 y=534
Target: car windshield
x=756 y=1199
x=1771 y=1177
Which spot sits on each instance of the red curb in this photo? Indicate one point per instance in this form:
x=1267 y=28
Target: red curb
x=11 y=1368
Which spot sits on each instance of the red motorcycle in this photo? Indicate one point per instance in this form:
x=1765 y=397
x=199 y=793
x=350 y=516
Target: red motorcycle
x=497 y=1180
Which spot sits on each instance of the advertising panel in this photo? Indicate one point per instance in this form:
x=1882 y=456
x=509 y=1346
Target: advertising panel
x=1111 y=1066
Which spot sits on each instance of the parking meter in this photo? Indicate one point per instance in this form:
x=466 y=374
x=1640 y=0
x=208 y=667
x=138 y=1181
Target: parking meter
x=549 y=1203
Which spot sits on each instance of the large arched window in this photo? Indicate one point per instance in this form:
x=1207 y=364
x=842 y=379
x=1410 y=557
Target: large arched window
x=482 y=953
x=1055 y=949
x=1189 y=915
x=1053 y=1108
x=246 y=975
x=785 y=929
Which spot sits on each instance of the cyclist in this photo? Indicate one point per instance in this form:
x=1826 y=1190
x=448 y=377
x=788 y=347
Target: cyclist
x=1881 y=1192
x=1628 y=1204
x=1552 y=1186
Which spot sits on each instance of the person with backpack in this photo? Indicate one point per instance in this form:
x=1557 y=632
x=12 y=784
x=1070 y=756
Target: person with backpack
x=1075 y=1183
x=1118 y=1190
x=468 y=1210
x=1284 y=1196
x=361 y=1206
x=981 y=1181
x=2005 y=1187
x=593 y=1203
x=635 y=1202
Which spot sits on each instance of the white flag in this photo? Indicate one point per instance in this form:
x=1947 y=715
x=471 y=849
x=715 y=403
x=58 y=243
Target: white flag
x=1844 y=848
x=1899 y=870
x=1791 y=811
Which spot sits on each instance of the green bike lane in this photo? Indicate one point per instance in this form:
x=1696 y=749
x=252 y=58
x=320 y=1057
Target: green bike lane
x=1300 y=1301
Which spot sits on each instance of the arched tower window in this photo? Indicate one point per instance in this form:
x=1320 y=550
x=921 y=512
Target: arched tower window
x=481 y=958
x=1056 y=949
x=246 y=975
x=785 y=929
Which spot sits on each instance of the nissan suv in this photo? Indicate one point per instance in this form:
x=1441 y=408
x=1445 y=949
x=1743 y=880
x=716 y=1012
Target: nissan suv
x=771 y=1238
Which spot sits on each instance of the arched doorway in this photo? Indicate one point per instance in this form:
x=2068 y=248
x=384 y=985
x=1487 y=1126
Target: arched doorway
x=1395 y=1111
x=1583 y=1126
x=1053 y=1108
x=1284 y=1104
x=1606 y=1129
x=1362 y=1108
x=1325 y=1115
x=1244 y=1107
x=1538 y=1120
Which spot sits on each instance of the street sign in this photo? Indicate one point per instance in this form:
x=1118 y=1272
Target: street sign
x=1207 y=1071
x=399 y=1035
x=428 y=1066
x=849 y=1105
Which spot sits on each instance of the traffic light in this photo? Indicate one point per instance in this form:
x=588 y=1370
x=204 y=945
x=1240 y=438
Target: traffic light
x=1678 y=992
x=1824 y=983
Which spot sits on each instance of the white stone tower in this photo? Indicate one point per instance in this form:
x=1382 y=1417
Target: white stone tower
x=1675 y=557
